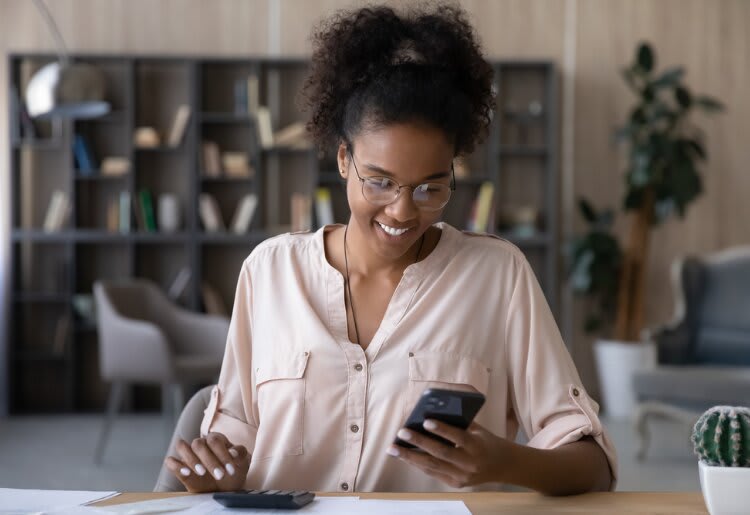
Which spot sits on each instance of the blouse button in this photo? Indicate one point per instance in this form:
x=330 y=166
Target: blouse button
x=358 y=367
x=411 y=354
x=354 y=428
x=345 y=486
x=575 y=392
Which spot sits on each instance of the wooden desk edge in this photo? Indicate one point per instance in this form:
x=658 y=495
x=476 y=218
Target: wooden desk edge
x=663 y=503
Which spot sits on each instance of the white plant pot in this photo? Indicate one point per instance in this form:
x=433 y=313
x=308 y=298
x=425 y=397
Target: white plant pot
x=725 y=489
x=616 y=361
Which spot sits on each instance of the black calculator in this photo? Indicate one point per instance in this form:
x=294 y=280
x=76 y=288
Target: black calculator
x=279 y=499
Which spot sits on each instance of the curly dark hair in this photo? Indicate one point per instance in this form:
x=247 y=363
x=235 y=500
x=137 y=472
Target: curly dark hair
x=372 y=67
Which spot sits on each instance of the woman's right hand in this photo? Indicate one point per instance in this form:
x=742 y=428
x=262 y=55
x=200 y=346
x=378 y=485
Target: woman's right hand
x=210 y=464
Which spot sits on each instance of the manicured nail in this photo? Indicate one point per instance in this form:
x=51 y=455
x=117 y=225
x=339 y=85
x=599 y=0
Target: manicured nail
x=218 y=473
x=392 y=451
x=234 y=452
x=429 y=424
x=404 y=434
x=230 y=468
x=185 y=471
x=200 y=469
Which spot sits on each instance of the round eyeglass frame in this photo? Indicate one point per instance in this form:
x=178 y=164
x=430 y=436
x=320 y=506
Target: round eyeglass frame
x=452 y=187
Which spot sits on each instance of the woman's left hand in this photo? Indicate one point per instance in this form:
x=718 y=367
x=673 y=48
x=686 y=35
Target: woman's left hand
x=478 y=456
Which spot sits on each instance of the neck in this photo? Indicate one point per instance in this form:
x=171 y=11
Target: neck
x=364 y=262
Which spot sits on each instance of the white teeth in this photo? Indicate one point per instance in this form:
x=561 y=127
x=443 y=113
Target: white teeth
x=392 y=231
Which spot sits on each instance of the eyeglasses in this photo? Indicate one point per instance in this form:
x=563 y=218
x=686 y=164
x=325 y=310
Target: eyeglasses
x=381 y=191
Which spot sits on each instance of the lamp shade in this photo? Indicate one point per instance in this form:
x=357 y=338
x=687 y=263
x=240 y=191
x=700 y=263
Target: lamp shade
x=69 y=90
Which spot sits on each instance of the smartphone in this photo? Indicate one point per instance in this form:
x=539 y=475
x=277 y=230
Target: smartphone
x=450 y=406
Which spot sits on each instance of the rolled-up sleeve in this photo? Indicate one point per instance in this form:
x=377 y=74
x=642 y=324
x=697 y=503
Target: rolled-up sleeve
x=548 y=398
x=230 y=410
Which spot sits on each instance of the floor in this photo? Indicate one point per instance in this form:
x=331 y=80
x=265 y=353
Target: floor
x=57 y=453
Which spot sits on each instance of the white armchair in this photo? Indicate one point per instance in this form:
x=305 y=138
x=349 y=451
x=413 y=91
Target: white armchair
x=146 y=339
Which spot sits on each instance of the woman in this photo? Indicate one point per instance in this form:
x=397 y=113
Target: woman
x=335 y=334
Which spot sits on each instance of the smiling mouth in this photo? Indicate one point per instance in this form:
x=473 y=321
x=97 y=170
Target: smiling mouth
x=392 y=231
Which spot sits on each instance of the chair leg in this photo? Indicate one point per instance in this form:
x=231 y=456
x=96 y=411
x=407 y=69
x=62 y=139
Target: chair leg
x=641 y=429
x=113 y=404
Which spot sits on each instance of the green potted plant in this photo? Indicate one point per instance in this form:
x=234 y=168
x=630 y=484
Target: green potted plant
x=721 y=439
x=662 y=179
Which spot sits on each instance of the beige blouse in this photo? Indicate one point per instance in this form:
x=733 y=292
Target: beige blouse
x=318 y=413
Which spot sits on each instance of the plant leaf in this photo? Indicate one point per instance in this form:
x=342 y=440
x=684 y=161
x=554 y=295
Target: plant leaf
x=709 y=104
x=587 y=210
x=645 y=57
x=670 y=77
x=683 y=97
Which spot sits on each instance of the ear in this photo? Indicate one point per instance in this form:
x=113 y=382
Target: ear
x=342 y=158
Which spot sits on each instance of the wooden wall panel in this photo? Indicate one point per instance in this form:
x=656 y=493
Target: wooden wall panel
x=710 y=37
x=711 y=40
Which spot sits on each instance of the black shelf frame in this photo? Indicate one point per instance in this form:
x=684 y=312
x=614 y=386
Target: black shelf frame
x=196 y=246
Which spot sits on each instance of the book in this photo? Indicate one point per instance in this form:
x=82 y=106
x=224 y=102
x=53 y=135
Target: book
x=211 y=159
x=293 y=135
x=57 y=212
x=139 y=220
x=147 y=209
x=243 y=215
x=113 y=166
x=113 y=215
x=212 y=302
x=323 y=207
x=209 y=213
x=253 y=94
x=236 y=165
x=124 y=208
x=179 y=125
x=240 y=97
x=265 y=128
x=83 y=156
x=61 y=334
x=301 y=205
x=179 y=283
x=481 y=217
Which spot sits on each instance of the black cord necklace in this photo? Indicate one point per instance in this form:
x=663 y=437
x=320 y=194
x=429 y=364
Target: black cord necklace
x=348 y=283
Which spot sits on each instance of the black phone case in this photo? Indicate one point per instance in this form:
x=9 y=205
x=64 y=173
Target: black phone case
x=453 y=407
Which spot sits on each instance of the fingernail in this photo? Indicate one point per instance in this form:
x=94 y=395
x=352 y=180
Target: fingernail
x=404 y=434
x=234 y=452
x=200 y=469
x=218 y=473
x=392 y=451
x=429 y=424
x=230 y=468
x=185 y=471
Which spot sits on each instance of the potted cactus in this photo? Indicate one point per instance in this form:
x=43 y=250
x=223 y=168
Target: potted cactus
x=721 y=438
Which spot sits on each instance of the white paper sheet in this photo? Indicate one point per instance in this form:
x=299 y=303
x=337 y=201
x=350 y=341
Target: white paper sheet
x=17 y=501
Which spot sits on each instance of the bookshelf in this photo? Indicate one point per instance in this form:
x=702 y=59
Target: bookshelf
x=52 y=348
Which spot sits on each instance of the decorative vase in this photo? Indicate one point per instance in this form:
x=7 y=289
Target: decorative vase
x=616 y=362
x=168 y=216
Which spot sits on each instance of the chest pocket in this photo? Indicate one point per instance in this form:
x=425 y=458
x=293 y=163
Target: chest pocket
x=445 y=371
x=280 y=390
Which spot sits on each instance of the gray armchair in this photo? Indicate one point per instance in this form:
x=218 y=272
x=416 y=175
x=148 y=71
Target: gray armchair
x=146 y=339
x=704 y=355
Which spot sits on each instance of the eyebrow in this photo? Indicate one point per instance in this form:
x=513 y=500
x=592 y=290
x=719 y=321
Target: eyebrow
x=382 y=171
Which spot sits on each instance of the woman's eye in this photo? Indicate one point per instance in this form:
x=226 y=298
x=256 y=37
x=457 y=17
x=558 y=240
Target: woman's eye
x=382 y=183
